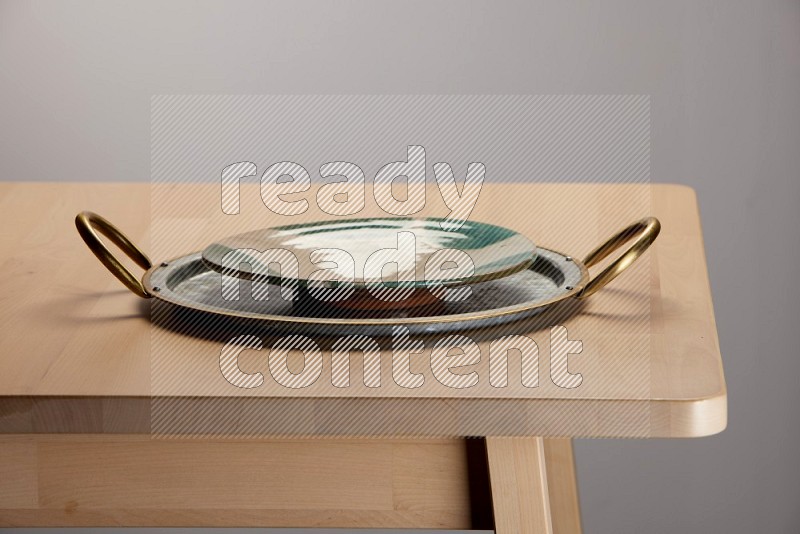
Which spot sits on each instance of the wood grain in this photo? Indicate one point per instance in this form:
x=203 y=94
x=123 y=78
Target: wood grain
x=76 y=347
x=562 y=484
x=520 y=494
x=534 y=488
x=114 y=480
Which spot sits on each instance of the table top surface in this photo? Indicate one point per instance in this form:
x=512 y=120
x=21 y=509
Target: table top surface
x=71 y=334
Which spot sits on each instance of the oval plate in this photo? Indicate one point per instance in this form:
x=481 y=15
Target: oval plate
x=495 y=251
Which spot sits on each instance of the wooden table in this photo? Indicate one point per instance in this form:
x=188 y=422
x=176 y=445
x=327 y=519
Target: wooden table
x=76 y=390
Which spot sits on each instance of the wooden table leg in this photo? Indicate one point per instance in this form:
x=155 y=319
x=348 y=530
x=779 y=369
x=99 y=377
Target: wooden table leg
x=533 y=486
x=563 y=486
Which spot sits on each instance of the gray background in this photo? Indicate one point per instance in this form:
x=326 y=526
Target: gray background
x=75 y=87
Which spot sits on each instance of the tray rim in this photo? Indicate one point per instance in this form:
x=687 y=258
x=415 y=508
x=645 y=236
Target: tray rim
x=516 y=309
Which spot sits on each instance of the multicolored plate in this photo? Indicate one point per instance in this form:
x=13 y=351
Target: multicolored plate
x=495 y=251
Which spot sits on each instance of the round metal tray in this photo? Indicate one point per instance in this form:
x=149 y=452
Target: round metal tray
x=187 y=283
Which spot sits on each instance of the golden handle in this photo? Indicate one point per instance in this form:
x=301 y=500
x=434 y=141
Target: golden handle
x=647 y=231
x=87 y=222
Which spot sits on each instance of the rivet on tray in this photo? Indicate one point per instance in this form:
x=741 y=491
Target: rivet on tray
x=156 y=288
x=568 y=258
x=568 y=288
x=164 y=264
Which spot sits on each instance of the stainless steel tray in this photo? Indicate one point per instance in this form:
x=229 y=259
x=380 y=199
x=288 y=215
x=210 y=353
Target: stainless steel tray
x=187 y=283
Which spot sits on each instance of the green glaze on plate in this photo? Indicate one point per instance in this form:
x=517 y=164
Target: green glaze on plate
x=495 y=251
